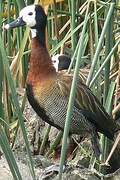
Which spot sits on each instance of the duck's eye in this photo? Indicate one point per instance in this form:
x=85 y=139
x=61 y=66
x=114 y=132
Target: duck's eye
x=30 y=13
x=54 y=61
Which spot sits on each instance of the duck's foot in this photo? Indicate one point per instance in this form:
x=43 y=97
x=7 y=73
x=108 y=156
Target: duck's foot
x=49 y=171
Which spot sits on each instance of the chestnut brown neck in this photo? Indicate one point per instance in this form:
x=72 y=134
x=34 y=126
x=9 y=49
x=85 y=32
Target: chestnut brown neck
x=41 y=66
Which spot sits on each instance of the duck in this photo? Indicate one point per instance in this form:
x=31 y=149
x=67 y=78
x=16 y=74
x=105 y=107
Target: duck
x=62 y=62
x=48 y=90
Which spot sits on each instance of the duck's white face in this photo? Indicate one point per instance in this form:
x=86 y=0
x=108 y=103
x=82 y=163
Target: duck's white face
x=55 y=61
x=32 y=16
x=28 y=15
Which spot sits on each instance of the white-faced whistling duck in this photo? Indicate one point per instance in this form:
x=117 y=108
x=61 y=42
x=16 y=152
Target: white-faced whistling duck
x=48 y=90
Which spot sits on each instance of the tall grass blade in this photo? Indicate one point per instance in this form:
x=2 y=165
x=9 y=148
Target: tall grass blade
x=71 y=98
x=100 y=43
x=16 y=103
x=9 y=155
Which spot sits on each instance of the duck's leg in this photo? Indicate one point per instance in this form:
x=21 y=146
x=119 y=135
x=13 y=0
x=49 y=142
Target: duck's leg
x=55 y=167
x=95 y=143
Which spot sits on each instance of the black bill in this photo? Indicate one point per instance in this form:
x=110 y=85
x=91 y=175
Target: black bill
x=17 y=23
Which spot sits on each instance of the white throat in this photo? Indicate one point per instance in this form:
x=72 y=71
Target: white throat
x=33 y=33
